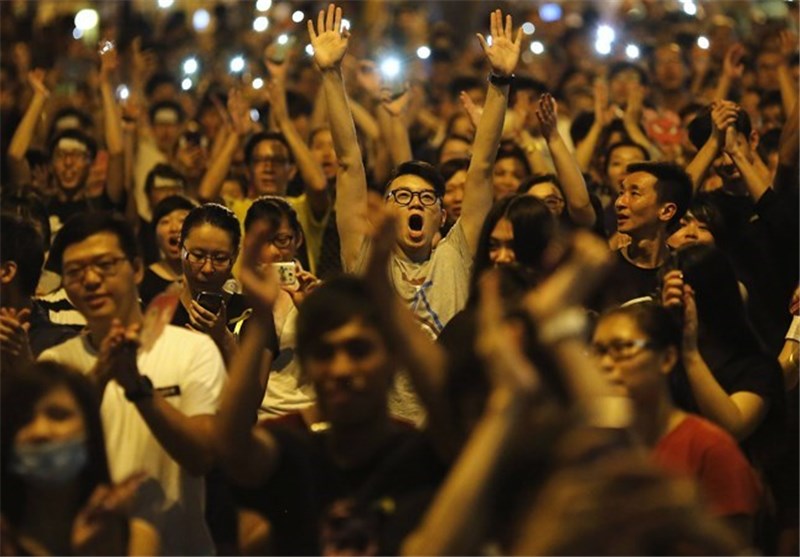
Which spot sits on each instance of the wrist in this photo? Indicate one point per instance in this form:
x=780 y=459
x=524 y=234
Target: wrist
x=500 y=79
x=140 y=389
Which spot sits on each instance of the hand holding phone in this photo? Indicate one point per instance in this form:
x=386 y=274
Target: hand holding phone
x=211 y=301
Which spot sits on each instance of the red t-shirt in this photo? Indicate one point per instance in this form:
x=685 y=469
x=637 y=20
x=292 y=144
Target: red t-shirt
x=702 y=450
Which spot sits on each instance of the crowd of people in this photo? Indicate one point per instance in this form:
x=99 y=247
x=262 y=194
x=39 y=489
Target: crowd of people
x=301 y=279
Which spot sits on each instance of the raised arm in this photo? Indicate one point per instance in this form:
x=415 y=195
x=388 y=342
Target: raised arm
x=503 y=55
x=737 y=149
x=249 y=453
x=391 y=114
x=584 y=150
x=21 y=140
x=115 y=184
x=218 y=168
x=723 y=114
x=732 y=71
x=787 y=83
x=316 y=186
x=569 y=173
x=330 y=44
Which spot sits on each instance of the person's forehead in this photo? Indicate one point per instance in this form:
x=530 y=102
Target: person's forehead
x=270 y=146
x=208 y=233
x=457 y=179
x=411 y=182
x=616 y=326
x=627 y=152
x=97 y=244
x=178 y=214
x=356 y=328
x=502 y=230
x=544 y=189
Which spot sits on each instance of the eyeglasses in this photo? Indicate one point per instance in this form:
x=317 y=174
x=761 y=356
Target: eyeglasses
x=273 y=160
x=199 y=258
x=104 y=266
x=75 y=155
x=404 y=197
x=281 y=241
x=620 y=349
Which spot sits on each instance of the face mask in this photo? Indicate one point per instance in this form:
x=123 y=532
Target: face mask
x=53 y=463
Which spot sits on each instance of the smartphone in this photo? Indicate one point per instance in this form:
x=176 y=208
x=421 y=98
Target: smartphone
x=286 y=273
x=212 y=301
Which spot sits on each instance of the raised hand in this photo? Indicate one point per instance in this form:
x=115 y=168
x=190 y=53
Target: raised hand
x=204 y=321
x=144 y=61
x=635 y=104
x=503 y=54
x=239 y=113
x=277 y=102
x=329 y=41
x=732 y=65
x=109 y=61
x=473 y=110
x=14 y=344
x=36 y=80
x=277 y=70
x=723 y=116
x=690 y=322
x=788 y=43
x=260 y=282
x=395 y=105
x=117 y=357
x=547 y=114
x=602 y=114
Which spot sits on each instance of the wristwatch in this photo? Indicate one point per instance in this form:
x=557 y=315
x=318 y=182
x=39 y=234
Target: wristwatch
x=143 y=389
x=501 y=80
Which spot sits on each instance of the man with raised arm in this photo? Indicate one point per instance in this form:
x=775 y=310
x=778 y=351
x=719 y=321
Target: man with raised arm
x=434 y=282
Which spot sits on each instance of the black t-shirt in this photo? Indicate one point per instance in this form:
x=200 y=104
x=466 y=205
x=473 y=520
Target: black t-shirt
x=152 y=285
x=147 y=242
x=396 y=482
x=236 y=310
x=64 y=210
x=43 y=333
x=625 y=282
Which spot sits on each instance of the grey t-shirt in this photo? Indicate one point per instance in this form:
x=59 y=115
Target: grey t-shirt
x=436 y=289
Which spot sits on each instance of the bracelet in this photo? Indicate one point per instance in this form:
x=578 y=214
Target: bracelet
x=501 y=80
x=144 y=389
x=569 y=323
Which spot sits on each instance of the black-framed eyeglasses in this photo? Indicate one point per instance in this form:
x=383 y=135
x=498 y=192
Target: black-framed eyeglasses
x=106 y=266
x=281 y=241
x=74 y=155
x=404 y=197
x=198 y=258
x=620 y=349
x=272 y=160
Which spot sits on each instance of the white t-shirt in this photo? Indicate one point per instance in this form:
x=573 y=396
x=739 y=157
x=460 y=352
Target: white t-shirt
x=286 y=389
x=186 y=368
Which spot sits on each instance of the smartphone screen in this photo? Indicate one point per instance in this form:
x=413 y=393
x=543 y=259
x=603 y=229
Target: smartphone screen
x=211 y=301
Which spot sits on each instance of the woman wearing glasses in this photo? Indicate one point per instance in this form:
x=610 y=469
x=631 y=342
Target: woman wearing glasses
x=637 y=347
x=209 y=244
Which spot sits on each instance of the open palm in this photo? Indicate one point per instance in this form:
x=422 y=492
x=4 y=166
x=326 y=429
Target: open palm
x=328 y=41
x=503 y=53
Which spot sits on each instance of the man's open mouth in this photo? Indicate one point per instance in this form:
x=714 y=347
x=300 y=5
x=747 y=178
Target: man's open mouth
x=415 y=223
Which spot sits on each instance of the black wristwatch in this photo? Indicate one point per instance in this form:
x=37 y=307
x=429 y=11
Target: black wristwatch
x=501 y=80
x=144 y=389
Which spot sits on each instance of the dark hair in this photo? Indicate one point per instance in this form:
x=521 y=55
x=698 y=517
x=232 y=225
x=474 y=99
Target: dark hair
x=80 y=227
x=274 y=210
x=706 y=211
x=21 y=390
x=451 y=137
x=169 y=204
x=528 y=183
x=654 y=320
x=534 y=227
x=720 y=309
x=21 y=243
x=166 y=105
x=77 y=135
x=424 y=170
x=510 y=150
x=254 y=140
x=240 y=179
x=216 y=215
x=700 y=127
x=619 y=144
x=334 y=304
x=84 y=119
x=672 y=185
x=623 y=65
x=162 y=170
x=23 y=202
x=448 y=169
x=768 y=143
x=464 y=83
x=319 y=129
x=161 y=78
x=298 y=105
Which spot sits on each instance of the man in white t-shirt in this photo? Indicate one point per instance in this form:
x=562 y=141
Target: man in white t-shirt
x=158 y=401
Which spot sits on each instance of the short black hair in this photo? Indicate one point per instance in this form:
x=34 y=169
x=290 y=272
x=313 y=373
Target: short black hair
x=274 y=210
x=21 y=243
x=673 y=185
x=623 y=65
x=254 y=140
x=465 y=83
x=700 y=127
x=169 y=204
x=162 y=170
x=216 y=215
x=528 y=183
x=77 y=135
x=23 y=202
x=81 y=226
x=424 y=170
x=158 y=79
x=448 y=169
x=166 y=105
x=510 y=150
x=624 y=143
x=332 y=305
x=451 y=137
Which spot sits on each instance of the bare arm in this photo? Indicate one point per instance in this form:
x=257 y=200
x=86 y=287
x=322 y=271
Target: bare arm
x=330 y=45
x=115 y=184
x=723 y=114
x=732 y=71
x=316 y=186
x=21 y=140
x=584 y=150
x=503 y=56
x=754 y=180
x=393 y=127
x=569 y=174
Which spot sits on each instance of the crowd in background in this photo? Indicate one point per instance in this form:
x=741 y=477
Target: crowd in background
x=389 y=277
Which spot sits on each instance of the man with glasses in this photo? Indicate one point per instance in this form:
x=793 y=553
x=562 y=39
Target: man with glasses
x=155 y=422
x=434 y=282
